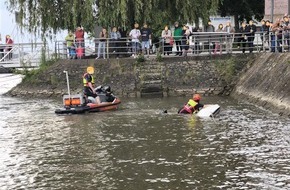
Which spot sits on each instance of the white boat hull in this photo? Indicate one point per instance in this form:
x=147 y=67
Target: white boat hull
x=208 y=111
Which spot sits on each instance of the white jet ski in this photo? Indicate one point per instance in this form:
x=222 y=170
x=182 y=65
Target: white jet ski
x=209 y=110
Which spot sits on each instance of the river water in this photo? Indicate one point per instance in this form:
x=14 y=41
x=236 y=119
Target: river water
x=139 y=147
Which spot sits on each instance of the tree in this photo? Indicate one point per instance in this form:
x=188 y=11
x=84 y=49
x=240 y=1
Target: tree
x=50 y=16
x=242 y=9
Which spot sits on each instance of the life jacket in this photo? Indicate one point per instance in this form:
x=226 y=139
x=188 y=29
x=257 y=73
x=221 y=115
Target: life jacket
x=189 y=107
x=85 y=81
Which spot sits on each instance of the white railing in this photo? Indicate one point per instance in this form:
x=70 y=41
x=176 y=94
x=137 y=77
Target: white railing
x=23 y=55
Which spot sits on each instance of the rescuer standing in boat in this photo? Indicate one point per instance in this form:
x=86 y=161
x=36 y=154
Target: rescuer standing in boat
x=192 y=105
x=89 y=81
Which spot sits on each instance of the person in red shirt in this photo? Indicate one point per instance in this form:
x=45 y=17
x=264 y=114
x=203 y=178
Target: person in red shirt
x=80 y=37
x=8 y=47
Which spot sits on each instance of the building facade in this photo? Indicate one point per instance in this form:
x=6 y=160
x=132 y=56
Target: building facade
x=280 y=8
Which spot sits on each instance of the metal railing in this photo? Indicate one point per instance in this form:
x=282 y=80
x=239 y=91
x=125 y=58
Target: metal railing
x=22 y=55
x=103 y=48
x=198 y=43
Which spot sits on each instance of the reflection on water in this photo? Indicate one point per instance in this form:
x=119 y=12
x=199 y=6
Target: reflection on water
x=138 y=147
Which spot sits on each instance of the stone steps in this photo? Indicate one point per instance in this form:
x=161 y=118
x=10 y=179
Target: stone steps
x=152 y=76
x=151 y=67
x=152 y=94
x=150 y=80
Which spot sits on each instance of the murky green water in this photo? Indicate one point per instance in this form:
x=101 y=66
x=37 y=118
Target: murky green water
x=138 y=147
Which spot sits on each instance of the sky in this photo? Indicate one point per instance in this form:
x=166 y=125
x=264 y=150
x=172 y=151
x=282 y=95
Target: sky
x=9 y=27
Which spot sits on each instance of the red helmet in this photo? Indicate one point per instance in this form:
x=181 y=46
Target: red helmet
x=196 y=97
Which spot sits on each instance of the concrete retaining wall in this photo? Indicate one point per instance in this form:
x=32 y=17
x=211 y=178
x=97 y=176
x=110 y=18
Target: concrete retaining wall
x=266 y=82
x=174 y=76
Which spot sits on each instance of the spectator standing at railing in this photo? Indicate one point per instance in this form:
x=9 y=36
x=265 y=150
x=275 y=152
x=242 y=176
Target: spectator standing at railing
x=185 y=40
x=123 y=41
x=115 y=36
x=276 y=37
x=177 y=38
x=135 y=35
x=264 y=32
x=80 y=37
x=209 y=28
x=166 y=37
x=70 y=38
x=244 y=34
x=146 y=36
x=286 y=33
x=196 y=44
x=102 y=43
x=219 y=39
x=230 y=37
x=253 y=29
x=8 y=47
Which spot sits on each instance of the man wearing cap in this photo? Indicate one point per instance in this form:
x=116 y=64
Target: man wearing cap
x=89 y=81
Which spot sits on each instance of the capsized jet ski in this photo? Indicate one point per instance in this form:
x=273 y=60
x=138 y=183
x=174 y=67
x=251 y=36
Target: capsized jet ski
x=209 y=110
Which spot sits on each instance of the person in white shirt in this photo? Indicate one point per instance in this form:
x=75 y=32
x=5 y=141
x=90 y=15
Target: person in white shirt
x=135 y=35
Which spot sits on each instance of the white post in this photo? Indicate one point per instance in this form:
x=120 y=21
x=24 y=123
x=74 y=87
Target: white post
x=67 y=82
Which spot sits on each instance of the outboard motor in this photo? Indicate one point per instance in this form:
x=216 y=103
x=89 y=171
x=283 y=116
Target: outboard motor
x=107 y=89
x=109 y=97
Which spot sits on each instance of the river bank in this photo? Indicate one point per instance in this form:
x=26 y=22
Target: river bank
x=261 y=79
x=266 y=83
x=172 y=76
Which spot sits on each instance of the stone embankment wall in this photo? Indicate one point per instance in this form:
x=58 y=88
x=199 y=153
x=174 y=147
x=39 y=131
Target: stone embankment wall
x=172 y=76
x=266 y=82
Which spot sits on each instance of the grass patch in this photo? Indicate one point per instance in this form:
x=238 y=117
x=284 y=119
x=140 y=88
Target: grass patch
x=228 y=69
x=159 y=57
x=140 y=58
x=31 y=75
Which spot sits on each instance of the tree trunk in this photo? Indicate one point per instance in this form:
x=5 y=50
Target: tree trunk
x=237 y=26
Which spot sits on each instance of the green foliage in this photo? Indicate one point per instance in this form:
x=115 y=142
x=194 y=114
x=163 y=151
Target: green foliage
x=227 y=69
x=242 y=9
x=159 y=57
x=106 y=79
x=140 y=58
x=30 y=74
x=51 y=16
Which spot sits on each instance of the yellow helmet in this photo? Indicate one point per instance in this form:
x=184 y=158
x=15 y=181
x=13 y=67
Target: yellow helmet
x=90 y=70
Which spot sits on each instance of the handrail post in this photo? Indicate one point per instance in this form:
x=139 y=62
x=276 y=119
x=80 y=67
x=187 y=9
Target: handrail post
x=19 y=55
x=108 y=49
x=283 y=42
x=276 y=43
